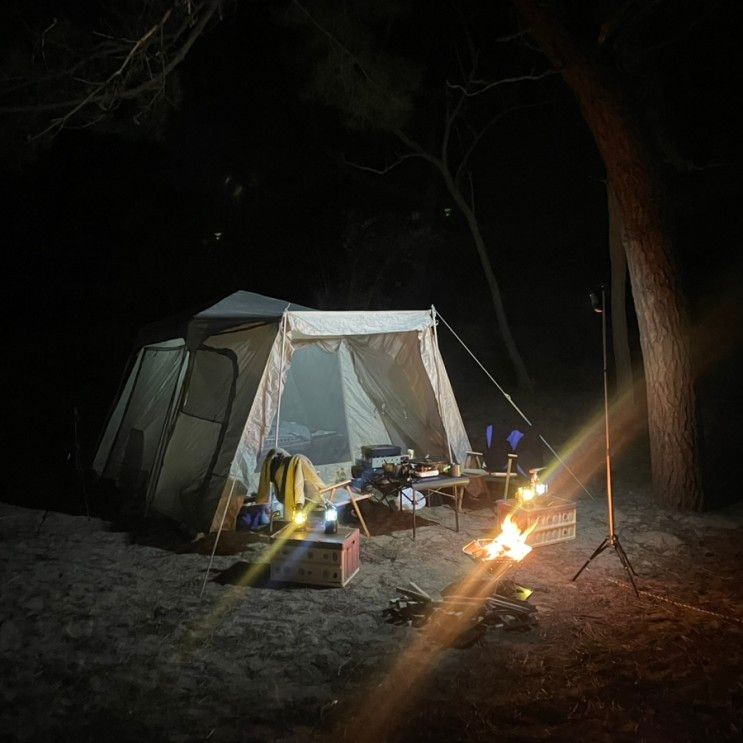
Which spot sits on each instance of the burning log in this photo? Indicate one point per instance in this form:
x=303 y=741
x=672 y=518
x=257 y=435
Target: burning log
x=475 y=610
x=508 y=546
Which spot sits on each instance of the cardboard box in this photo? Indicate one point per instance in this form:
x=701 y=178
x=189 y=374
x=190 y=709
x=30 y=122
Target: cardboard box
x=555 y=521
x=317 y=559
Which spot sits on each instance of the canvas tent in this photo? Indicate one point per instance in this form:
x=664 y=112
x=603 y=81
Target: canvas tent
x=208 y=395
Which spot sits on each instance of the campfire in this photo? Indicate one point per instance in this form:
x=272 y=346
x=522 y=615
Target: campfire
x=508 y=546
x=474 y=605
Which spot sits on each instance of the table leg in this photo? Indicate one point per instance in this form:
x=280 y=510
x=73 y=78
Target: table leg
x=413 y=491
x=457 y=501
x=509 y=473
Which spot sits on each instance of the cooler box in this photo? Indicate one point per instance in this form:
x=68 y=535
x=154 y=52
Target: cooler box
x=377 y=451
x=555 y=522
x=317 y=559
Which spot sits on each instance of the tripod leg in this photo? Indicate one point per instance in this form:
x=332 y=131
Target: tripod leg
x=627 y=565
x=623 y=555
x=596 y=553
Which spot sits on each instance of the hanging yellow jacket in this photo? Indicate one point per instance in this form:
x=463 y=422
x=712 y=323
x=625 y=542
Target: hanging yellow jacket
x=264 y=483
x=294 y=479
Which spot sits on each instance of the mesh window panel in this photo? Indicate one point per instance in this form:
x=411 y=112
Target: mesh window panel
x=313 y=416
x=135 y=446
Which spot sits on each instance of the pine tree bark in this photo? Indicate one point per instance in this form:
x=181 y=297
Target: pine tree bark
x=672 y=409
x=619 y=332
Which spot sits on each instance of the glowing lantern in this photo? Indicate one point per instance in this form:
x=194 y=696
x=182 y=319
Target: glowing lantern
x=527 y=494
x=534 y=489
x=331 y=519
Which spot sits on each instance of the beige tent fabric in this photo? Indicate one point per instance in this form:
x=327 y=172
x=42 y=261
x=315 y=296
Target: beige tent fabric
x=209 y=420
x=215 y=409
x=449 y=410
x=395 y=377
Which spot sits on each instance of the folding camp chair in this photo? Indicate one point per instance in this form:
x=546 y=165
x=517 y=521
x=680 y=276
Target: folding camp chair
x=339 y=494
x=474 y=469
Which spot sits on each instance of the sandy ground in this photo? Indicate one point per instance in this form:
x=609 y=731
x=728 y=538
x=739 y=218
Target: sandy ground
x=103 y=636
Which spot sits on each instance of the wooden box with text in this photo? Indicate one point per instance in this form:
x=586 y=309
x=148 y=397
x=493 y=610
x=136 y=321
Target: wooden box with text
x=553 y=522
x=317 y=559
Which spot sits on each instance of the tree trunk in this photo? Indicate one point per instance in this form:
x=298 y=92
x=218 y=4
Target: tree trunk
x=672 y=411
x=619 y=334
x=522 y=376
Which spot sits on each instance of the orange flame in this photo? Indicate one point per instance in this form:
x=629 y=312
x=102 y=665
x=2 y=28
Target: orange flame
x=511 y=542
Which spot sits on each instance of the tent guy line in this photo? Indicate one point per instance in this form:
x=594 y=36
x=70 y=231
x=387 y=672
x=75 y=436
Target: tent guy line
x=513 y=404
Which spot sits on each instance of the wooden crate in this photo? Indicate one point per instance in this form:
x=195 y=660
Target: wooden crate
x=555 y=521
x=317 y=559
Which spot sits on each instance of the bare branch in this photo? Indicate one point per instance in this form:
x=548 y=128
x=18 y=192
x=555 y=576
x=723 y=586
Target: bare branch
x=43 y=37
x=477 y=138
x=383 y=171
x=334 y=40
x=132 y=76
x=511 y=37
x=496 y=83
x=451 y=115
x=59 y=123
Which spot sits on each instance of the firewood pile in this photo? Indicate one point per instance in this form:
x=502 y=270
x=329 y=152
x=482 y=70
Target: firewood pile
x=469 y=615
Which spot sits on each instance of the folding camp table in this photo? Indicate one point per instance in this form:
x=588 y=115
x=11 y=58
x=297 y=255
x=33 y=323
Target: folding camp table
x=438 y=485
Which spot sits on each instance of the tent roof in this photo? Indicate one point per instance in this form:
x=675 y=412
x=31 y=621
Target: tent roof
x=243 y=308
x=314 y=324
x=239 y=308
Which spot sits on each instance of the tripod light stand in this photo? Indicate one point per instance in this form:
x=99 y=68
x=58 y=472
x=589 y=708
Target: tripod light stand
x=611 y=540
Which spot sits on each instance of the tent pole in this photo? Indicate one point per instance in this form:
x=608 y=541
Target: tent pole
x=131 y=362
x=438 y=383
x=517 y=409
x=281 y=379
x=216 y=539
x=278 y=411
x=123 y=414
x=165 y=434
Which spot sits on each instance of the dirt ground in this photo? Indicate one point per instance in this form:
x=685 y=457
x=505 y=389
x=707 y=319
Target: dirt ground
x=103 y=635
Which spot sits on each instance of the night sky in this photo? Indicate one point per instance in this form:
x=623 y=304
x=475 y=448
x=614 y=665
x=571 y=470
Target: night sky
x=243 y=188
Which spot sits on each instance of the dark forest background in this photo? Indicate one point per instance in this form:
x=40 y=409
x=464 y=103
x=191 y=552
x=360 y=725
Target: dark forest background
x=242 y=187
